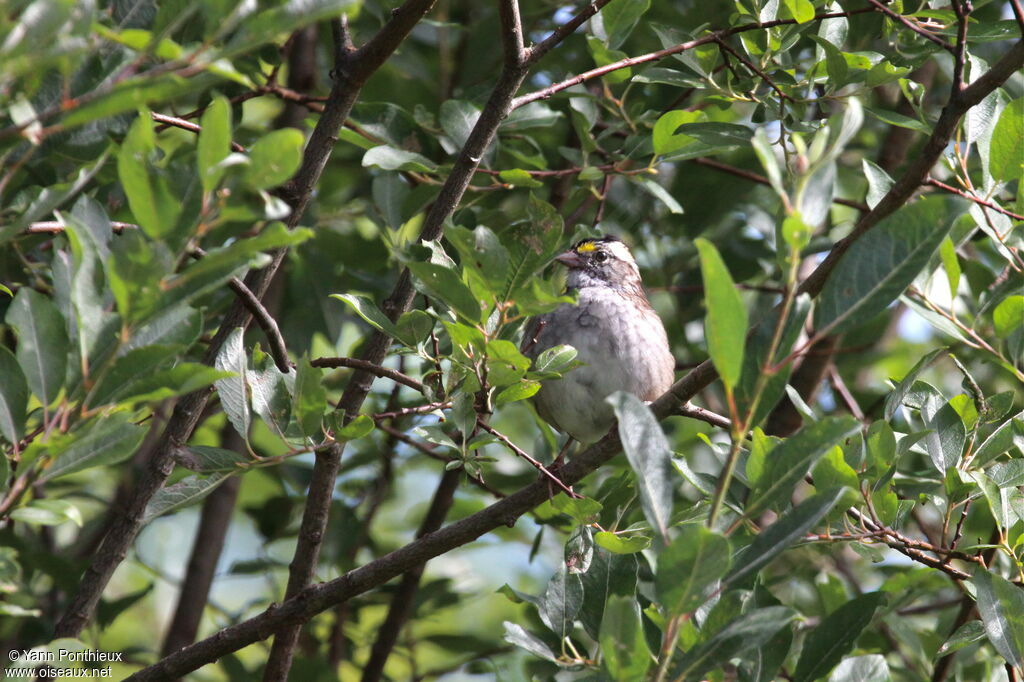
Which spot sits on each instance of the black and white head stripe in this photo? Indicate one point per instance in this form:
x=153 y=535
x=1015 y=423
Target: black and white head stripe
x=611 y=247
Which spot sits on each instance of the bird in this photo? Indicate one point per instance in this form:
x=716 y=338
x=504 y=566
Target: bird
x=618 y=337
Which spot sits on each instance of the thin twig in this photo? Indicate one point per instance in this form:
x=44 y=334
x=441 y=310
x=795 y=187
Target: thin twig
x=754 y=68
x=56 y=227
x=507 y=442
x=911 y=25
x=762 y=180
x=535 y=52
x=263 y=318
x=377 y=370
x=971 y=197
x=176 y=122
x=431 y=452
x=839 y=386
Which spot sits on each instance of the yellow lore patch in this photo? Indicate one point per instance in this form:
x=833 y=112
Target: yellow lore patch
x=586 y=247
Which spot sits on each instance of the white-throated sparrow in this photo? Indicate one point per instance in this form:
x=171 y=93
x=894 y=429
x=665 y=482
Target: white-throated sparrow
x=616 y=333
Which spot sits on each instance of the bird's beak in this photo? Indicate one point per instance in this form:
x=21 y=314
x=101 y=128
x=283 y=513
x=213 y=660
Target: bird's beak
x=570 y=259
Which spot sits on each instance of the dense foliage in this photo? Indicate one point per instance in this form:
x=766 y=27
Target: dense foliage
x=824 y=199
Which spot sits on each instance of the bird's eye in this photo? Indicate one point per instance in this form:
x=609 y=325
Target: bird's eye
x=600 y=257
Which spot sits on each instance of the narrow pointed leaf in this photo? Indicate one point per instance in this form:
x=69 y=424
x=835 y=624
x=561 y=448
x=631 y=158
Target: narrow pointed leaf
x=648 y=453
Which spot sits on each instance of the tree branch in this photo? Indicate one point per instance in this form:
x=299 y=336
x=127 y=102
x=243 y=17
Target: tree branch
x=266 y=322
x=376 y=370
x=927 y=35
x=538 y=50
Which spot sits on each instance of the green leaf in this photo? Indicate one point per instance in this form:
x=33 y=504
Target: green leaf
x=531 y=245
x=357 y=428
x=443 y=284
x=970 y=632
x=749 y=631
x=836 y=636
x=649 y=455
x=219 y=265
x=390 y=158
x=620 y=17
x=155 y=208
x=521 y=390
x=946 y=438
x=516 y=635
x=660 y=193
x=832 y=471
x=792 y=458
x=788 y=529
x=519 y=178
x=555 y=361
x=866 y=668
x=48 y=513
x=603 y=56
x=608 y=574
x=950 y=263
x=234 y=398
x=370 y=313
x=899 y=394
x=766 y=155
x=13 y=399
x=690 y=567
x=899 y=120
x=1001 y=605
x=457 y=118
x=725 y=321
x=755 y=357
x=205 y=460
x=185 y=492
x=214 y=142
x=1008 y=316
x=561 y=602
x=310 y=398
x=879 y=182
x=801 y=10
x=274 y=158
x=481 y=251
x=1006 y=153
x=134 y=366
x=104 y=440
x=621 y=544
x=579 y=510
x=665 y=139
x=623 y=645
x=882 y=263
x=43 y=344
x=999 y=441
x=185 y=377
